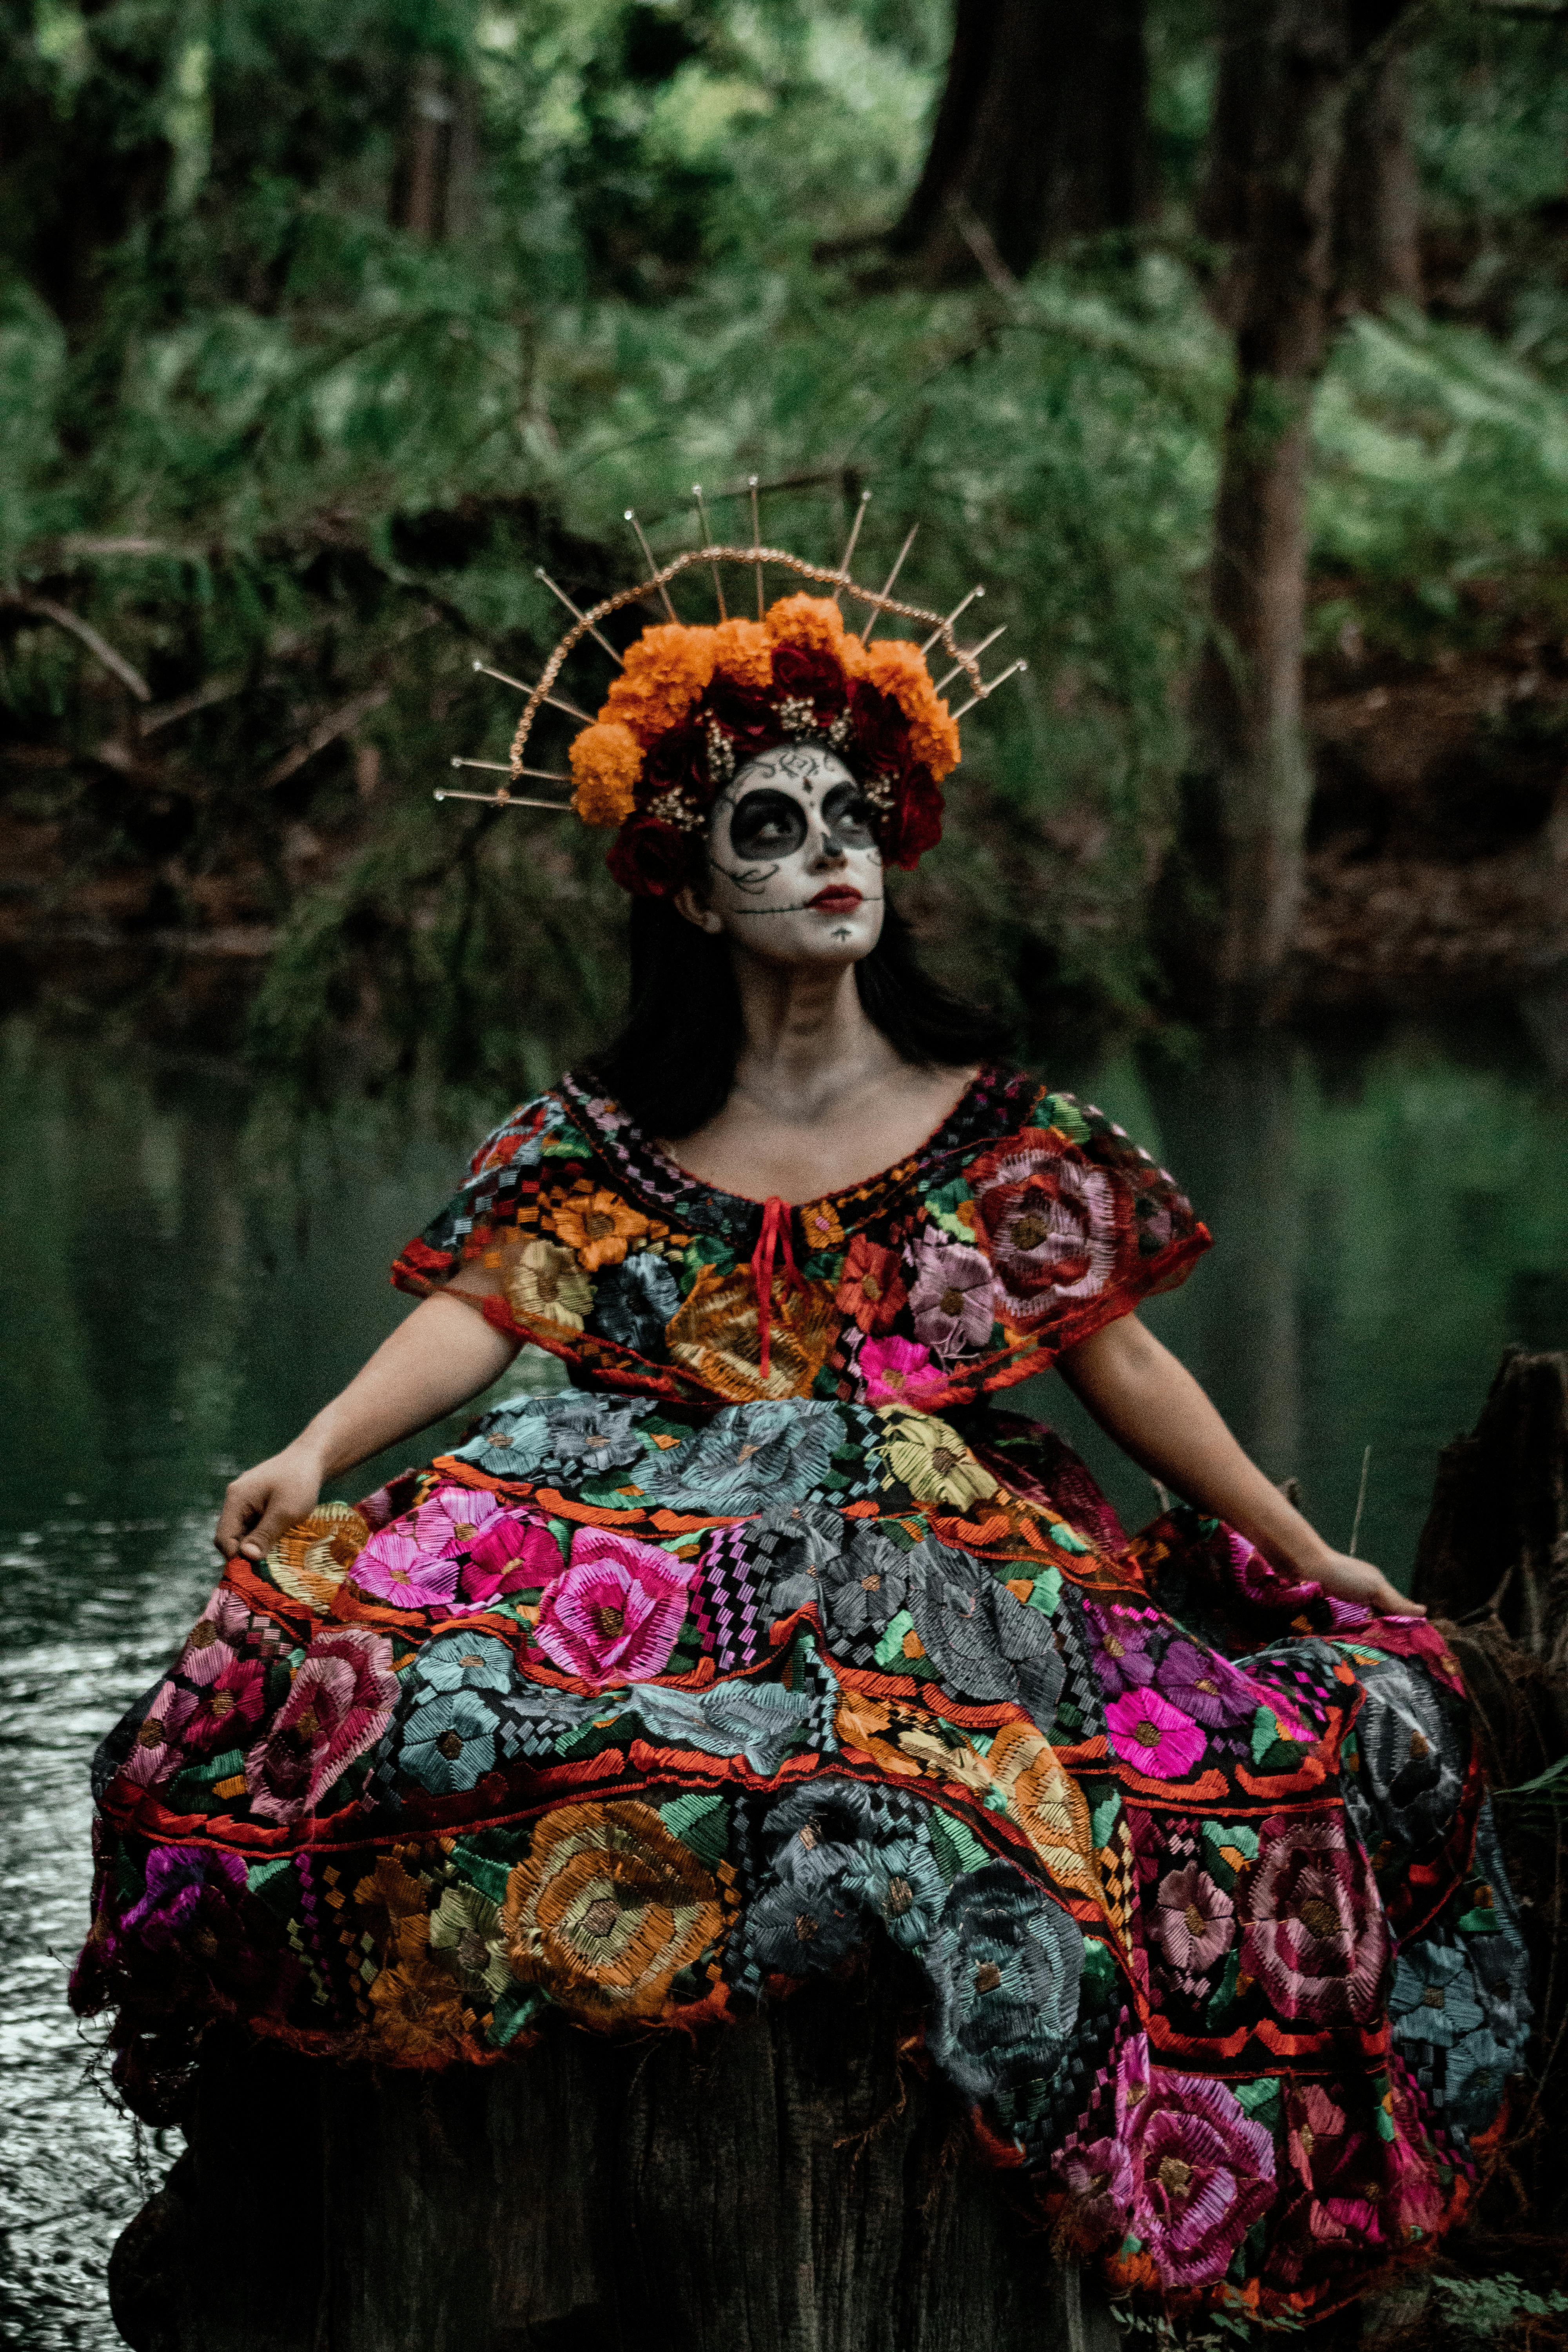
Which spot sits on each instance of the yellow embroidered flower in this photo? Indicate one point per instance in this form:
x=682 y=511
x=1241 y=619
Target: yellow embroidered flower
x=546 y=1284
x=606 y=1910
x=607 y=761
x=465 y=1929
x=931 y=1460
x=308 y=1563
x=1047 y=1804
x=598 y=1225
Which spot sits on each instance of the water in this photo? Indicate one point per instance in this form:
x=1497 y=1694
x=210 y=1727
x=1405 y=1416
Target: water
x=183 y=1283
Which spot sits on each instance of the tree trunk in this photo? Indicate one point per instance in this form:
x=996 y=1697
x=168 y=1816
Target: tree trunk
x=431 y=188
x=1377 y=227
x=1041 y=135
x=794 y=2184
x=1288 y=75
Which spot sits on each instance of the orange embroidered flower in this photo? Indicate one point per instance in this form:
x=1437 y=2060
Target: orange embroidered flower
x=419 y=2017
x=599 y=1226
x=742 y=651
x=897 y=670
x=606 y=761
x=661 y=677
x=606 y=1910
x=871 y=1289
x=715 y=1335
x=814 y=622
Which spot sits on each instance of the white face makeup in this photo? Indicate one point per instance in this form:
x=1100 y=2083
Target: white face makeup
x=794 y=872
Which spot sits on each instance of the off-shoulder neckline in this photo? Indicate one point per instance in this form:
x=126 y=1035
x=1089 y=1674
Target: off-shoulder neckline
x=658 y=1177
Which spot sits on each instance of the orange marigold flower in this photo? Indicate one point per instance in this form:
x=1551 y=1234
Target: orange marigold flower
x=661 y=677
x=898 y=668
x=814 y=622
x=607 y=761
x=742 y=651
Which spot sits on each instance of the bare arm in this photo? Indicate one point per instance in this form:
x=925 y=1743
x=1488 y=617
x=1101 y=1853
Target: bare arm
x=1156 y=1411
x=445 y=1353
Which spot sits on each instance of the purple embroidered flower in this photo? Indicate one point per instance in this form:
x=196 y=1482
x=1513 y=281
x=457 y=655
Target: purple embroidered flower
x=182 y=1882
x=1122 y=1656
x=1151 y=1736
x=395 y=1567
x=951 y=1300
x=613 y=1615
x=1313 y=1934
x=1099 y=2179
x=1194 y=1921
x=895 y=1372
x=339 y=1704
x=1204 y=1685
x=1203 y=2172
x=228 y=1703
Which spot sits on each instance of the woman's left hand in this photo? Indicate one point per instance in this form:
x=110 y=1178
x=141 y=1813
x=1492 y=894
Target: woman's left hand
x=1358 y=1580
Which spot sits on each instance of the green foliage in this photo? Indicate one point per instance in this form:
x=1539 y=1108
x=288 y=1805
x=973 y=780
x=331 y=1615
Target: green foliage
x=265 y=440
x=1478 y=2310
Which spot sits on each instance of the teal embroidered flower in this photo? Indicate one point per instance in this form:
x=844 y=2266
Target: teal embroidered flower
x=449 y=1743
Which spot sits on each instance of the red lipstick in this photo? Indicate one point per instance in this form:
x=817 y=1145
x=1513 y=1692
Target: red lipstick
x=836 y=898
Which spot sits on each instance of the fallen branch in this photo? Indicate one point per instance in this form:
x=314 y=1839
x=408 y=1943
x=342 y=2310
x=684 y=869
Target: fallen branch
x=339 y=723
x=44 y=608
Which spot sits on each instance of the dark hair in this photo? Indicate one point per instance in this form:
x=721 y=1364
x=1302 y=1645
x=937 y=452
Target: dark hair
x=672 y=1064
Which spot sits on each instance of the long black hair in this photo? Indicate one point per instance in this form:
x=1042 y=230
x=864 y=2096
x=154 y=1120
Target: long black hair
x=672 y=1064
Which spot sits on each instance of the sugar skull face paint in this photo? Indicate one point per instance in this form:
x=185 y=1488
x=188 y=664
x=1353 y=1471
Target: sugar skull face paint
x=794 y=872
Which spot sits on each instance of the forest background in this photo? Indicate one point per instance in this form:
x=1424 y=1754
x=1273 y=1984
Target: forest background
x=1226 y=343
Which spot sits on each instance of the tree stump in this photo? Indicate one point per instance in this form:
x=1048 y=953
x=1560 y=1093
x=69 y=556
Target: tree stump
x=795 y=2183
x=1492 y=1567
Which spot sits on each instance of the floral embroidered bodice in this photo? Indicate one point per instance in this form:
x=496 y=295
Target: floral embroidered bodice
x=1024 y=1223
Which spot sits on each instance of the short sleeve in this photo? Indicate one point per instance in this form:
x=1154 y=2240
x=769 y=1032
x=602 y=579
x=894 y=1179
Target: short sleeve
x=462 y=1232
x=1076 y=1225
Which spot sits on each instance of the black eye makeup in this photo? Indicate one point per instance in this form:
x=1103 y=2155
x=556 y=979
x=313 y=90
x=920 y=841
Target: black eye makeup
x=849 y=817
x=766 y=824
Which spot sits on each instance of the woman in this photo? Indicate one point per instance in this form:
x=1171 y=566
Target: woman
x=769 y=1636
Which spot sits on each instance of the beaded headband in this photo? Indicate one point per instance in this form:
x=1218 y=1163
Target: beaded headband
x=692 y=704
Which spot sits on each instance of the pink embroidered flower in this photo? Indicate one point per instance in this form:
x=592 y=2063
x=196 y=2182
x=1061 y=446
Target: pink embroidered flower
x=613 y=1613
x=340 y=1703
x=158 y=1743
x=226 y=1618
x=1153 y=1737
x=1313 y=2118
x=515 y=1551
x=895 y=1372
x=1099 y=2179
x=1313 y=1934
x=1050 y=1220
x=228 y=1704
x=395 y=1566
x=1203 y=2172
x=952 y=1299
x=452 y=1519
x=1194 y=1922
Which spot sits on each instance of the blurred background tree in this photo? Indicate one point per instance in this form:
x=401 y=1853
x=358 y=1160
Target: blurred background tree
x=1228 y=343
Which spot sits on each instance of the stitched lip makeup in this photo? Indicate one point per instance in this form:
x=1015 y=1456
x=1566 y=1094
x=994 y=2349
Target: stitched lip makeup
x=837 y=898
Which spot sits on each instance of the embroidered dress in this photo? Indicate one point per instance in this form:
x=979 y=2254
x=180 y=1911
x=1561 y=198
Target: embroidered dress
x=769 y=1638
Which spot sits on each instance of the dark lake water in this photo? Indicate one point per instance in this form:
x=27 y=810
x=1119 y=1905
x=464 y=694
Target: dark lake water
x=185 y=1278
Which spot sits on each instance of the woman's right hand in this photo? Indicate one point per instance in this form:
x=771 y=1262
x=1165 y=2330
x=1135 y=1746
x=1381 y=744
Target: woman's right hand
x=263 y=1503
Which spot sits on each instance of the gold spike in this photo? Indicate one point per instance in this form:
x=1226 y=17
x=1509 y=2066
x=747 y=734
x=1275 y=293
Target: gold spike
x=556 y=701
x=707 y=541
x=986 y=691
x=507 y=800
x=869 y=631
x=952 y=616
x=541 y=573
x=848 y=555
x=757 y=540
x=505 y=767
x=943 y=683
x=652 y=566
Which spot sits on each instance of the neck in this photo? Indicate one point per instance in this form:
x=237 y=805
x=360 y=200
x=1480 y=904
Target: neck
x=806 y=1037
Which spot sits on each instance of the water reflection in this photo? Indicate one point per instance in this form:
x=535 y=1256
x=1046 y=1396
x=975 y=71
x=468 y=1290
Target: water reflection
x=185 y=1282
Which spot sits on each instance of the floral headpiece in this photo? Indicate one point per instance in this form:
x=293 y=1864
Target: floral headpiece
x=694 y=704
